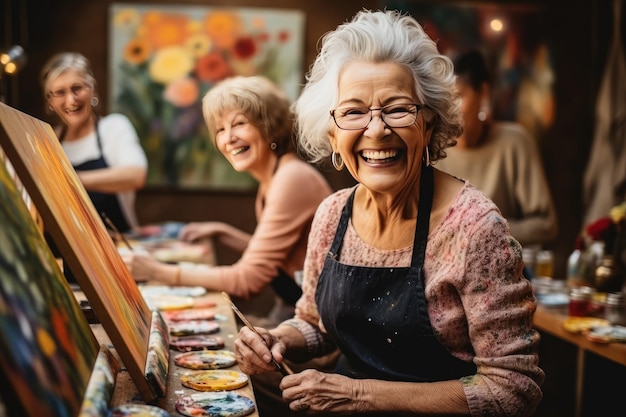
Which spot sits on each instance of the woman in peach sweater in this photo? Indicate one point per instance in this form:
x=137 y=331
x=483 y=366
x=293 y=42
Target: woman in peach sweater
x=251 y=124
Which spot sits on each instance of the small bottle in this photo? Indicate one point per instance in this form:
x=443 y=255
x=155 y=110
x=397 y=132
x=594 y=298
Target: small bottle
x=580 y=301
x=574 y=278
x=615 y=308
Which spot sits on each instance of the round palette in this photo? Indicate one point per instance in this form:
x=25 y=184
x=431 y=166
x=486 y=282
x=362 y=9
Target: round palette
x=158 y=290
x=214 y=380
x=137 y=410
x=169 y=302
x=196 y=342
x=189 y=314
x=205 y=359
x=193 y=327
x=215 y=404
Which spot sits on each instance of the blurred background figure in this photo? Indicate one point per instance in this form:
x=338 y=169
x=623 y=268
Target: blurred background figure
x=252 y=126
x=500 y=158
x=104 y=150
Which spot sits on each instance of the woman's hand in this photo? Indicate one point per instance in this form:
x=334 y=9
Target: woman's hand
x=254 y=353
x=318 y=392
x=195 y=231
x=141 y=265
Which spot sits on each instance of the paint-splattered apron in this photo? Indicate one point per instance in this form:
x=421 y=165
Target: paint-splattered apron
x=378 y=316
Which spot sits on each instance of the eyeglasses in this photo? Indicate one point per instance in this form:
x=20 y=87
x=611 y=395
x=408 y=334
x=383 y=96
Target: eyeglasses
x=393 y=115
x=77 y=90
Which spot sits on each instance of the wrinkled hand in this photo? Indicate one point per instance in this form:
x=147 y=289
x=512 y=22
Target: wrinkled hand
x=141 y=265
x=318 y=392
x=194 y=231
x=254 y=354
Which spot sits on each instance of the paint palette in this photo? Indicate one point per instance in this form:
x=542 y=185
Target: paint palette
x=182 y=291
x=197 y=342
x=193 y=327
x=215 y=404
x=137 y=410
x=214 y=380
x=205 y=359
x=189 y=314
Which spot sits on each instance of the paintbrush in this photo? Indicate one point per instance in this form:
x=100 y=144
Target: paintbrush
x=284 y=369
x=115 y=230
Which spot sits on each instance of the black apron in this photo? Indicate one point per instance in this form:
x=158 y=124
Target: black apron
x=378 y=316
x=106 y=203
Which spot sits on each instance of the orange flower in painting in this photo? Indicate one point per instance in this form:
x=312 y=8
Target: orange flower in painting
x=137 y=51
x=245 y=48
x=163 y=30
x=182 y=92
x=223 y=28
x=212 y=67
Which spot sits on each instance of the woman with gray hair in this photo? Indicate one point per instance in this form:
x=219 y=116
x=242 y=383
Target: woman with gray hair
x=412 y=273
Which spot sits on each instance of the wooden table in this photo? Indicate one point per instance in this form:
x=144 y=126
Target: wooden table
x=550 y=320
x=125 y=390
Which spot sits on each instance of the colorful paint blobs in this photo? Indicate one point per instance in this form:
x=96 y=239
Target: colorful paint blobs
x=101 y=385
x=193 y=327
x=157 y=358
x=138 y=410
x=189 y=314
x=196 y=342
x=169 y=302
x=214 y=380
x=205 y=359
x=215 y=404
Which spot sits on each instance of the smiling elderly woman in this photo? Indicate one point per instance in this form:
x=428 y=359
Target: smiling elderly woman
x=412 y=273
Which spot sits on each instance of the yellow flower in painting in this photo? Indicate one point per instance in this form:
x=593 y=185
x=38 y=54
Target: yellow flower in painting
x=182 y=92
x=137 y=51
x=170 y=64
x=223 y=28
x=126 y=18
x=198 y=45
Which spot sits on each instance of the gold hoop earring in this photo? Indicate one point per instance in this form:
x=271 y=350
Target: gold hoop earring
x=337 y=161
x=426 y=156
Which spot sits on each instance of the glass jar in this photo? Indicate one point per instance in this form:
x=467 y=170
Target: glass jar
x=615 y=308
x=580 y=301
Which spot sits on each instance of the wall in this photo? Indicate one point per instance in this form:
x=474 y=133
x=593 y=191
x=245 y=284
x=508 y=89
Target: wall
x=580 y=36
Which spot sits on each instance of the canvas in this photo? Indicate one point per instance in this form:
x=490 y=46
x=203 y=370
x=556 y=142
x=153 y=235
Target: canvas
x=163 y=59
x=81 y=237
x=47 y=350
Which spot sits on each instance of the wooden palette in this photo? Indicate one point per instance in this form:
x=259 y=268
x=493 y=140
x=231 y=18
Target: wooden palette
x=205 y=359
x=137 y=410
x=214 y=380
x=215 y=404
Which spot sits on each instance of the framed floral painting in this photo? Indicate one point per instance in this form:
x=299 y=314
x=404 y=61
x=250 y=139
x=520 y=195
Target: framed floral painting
x=163 y=59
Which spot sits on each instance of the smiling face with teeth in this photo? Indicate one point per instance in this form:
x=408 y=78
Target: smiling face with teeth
x=382 y=159
x=244 y=146
x=74 y=109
